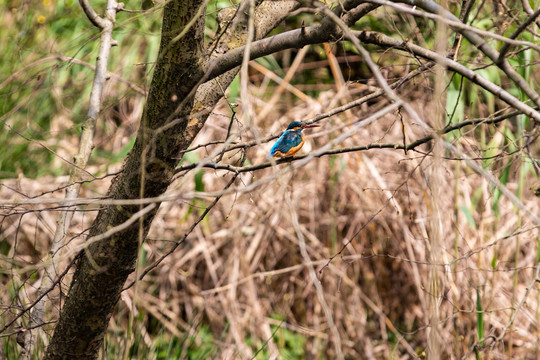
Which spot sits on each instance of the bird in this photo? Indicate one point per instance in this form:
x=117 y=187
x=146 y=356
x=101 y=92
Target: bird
x=291 y=140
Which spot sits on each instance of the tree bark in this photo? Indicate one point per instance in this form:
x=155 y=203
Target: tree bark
x=103 y=269
x=168 y=125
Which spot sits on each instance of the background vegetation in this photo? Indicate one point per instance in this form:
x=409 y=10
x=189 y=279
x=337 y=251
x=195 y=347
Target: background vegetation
x=241 y=285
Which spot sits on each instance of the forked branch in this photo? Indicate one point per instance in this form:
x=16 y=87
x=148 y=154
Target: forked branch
x=105 y=24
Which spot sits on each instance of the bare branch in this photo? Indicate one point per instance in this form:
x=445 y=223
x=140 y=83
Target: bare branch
x=518 y=31
x=482 y=45
x=406 y=147
x=94 y=18
x=294 y=39
x=383 y=40
x=70 y=60
x=81 y=159
x=456 y=24
x=529 y=10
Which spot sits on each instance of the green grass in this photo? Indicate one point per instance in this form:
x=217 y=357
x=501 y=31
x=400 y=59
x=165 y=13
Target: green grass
x=202 y=345
x=46 y=98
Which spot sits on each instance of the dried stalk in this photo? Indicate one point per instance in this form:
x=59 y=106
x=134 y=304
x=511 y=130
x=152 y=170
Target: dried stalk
x=435 y=183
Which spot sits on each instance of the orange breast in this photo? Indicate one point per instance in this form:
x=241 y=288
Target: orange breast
x=292 y=150
x=295 y=149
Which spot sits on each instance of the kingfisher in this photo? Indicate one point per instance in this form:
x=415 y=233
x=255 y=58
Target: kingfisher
x=291 y=140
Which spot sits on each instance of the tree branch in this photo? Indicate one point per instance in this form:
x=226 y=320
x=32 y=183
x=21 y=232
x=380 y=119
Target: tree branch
x=529 y=10
x=481 y=44
x=406 y=147
x=518 y=31
x=386 y=41
x=456 y=24
x=63 y=223
x=294 y=39
x=190 y=230
x=92 y=15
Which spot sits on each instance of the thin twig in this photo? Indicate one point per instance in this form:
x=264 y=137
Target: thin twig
x=479 y=42
x=496 y=339
x=454 y=23
x=518 y=31
x=381 y=39
x=106 y=25
x=336 y=338
x=190 y=230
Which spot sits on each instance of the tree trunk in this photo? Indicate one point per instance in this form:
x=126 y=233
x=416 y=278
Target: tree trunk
x=165 y=130
x=147 y=172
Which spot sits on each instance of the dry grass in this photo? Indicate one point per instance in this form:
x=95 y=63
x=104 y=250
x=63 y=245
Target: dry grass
x=242 y=271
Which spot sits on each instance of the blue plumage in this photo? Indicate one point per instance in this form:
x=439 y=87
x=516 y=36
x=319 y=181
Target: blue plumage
x=291 y=140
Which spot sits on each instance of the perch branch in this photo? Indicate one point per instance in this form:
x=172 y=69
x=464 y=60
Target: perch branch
x=412 y=146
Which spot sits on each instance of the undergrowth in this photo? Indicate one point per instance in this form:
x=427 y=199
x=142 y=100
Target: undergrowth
x=239 y=286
